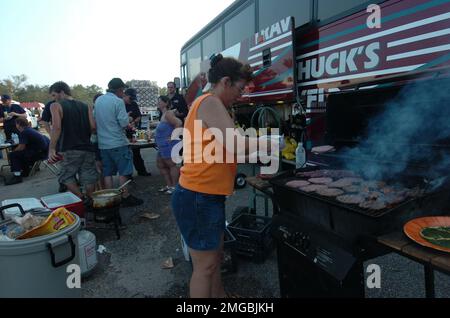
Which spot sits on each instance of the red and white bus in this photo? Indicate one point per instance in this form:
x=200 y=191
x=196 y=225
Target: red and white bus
x=305 y=51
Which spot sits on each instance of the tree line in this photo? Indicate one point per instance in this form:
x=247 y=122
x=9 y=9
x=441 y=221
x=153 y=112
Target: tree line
x=17 y=87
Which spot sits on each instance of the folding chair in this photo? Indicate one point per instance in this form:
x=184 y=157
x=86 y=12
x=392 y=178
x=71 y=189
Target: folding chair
x=36 y=167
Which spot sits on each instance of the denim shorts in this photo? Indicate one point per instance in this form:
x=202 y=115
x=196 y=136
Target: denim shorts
x=200 y=217
x=117 y=160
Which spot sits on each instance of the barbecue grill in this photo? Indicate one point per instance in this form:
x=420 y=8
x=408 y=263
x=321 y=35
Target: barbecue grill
x=323 y=243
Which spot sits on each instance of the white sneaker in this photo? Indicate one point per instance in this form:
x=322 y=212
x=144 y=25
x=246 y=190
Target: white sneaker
x=164 y=189
x=170 y=191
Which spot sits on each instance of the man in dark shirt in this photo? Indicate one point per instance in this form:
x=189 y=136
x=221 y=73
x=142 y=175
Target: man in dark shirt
x=46 y=117
x=33 y=146
x=72 y=125
x=8 y=115
x=130 y=99
x=177 y=101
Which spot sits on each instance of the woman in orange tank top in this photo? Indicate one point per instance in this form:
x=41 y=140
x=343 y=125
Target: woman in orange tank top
x=207 y=177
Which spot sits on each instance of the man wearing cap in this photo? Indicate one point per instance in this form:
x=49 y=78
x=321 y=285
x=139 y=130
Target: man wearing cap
x=112 y=119
x=130 y=99
x=177 y=101
x=8 y=115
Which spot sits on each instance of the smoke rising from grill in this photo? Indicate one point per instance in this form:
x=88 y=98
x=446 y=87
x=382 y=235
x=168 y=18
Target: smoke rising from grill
x=413 y=130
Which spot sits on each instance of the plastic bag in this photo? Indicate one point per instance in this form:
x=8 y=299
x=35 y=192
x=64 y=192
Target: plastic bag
x=57 y=221
x=29 y=221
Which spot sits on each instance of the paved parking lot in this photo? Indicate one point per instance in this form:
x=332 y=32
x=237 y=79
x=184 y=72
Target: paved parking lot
x=131 y=267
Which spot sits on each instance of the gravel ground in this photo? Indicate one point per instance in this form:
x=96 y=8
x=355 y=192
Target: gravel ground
x=131 y=266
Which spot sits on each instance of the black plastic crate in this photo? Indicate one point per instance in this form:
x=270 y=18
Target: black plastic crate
x=253 y=238
x=229 y=263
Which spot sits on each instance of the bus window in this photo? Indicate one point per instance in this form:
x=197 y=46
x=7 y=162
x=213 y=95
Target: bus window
x=331 y=8
x=271 y=11
x=194 y=56
x=184 y=83
x=212 y=43
x=240 y=27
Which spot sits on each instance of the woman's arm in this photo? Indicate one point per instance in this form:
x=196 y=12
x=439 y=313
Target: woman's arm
x=214 y=115
x=173 y=119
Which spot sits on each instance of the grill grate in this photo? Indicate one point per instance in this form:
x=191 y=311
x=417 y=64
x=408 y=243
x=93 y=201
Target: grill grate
x=281 y=181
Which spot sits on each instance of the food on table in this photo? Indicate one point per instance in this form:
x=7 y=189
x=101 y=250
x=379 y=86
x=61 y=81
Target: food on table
x=437 y=235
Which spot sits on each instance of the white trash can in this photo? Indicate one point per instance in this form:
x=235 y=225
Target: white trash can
x=38 y=267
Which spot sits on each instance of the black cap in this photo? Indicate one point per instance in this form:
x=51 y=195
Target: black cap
x=132 y=93
x=6 y=97
x=116 y=83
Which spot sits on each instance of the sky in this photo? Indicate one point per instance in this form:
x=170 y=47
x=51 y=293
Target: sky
x=91 y=41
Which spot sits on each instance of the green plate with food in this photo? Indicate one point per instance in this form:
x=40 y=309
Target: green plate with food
x=432 y=232
x=437 y=235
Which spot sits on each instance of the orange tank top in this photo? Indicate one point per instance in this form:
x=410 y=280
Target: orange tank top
x=205 y=169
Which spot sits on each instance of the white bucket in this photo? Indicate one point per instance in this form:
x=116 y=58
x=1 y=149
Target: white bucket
x=87 y=247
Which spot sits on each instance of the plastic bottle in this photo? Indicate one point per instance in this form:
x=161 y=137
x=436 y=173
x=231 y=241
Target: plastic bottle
x=300 y=156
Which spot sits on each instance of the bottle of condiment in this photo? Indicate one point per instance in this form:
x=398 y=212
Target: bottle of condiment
x=300 y=156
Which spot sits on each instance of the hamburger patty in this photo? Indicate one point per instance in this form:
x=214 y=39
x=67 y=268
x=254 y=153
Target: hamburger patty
x=351 y=199
x=297 y=184
x=376 y=205
x=313 y=188
x=330 y=192
x=345 y=182
x=320 y=180
x=353 y=189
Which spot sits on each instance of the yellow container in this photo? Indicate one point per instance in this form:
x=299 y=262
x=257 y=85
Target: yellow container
x=57 y=221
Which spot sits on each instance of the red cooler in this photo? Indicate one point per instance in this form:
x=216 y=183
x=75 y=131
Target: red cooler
x=66 y=200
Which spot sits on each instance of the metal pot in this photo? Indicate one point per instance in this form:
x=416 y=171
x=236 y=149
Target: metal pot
x=106 y=199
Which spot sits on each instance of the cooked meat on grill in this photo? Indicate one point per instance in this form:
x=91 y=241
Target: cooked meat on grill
x=394 y=198
x=351 y=199
x=297 y=184
x=388 y=190
x=323 y=149
x=335 y=174
x=310 y=174
x=313 y=188
x=376 y=205
x=353 y=189
x=374 y=195
x=373 y=185
x=345 y=182
x=330 y=192
x=321 y=180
